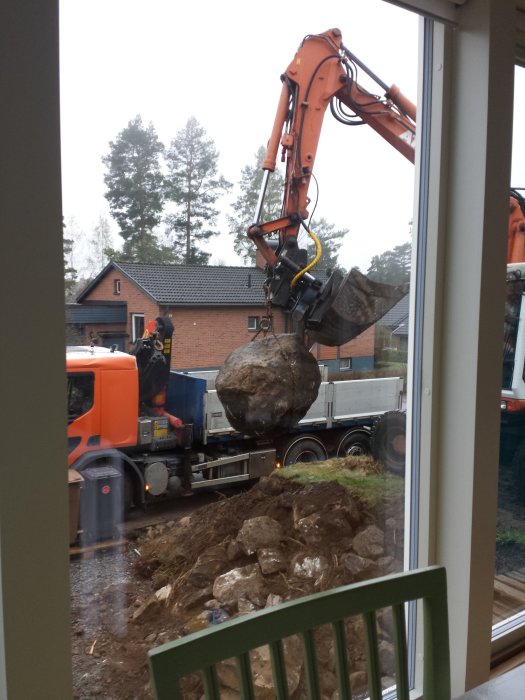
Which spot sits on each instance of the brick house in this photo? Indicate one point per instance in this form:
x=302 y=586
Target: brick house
x=214 y=309
x=393 y=327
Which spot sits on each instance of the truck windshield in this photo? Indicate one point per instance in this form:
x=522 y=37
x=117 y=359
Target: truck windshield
x=80 y=391
x=512 y=315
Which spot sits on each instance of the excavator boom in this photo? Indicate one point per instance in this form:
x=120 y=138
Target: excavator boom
x=323 y=73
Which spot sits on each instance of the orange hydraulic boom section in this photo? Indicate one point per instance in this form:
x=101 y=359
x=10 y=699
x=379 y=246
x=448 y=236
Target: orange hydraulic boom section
x=516 y=236
x=323 y=72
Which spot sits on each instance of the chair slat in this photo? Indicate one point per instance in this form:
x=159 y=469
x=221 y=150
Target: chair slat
x=372 y=656
x=310 y=666
x=244 y=670
x=210 y=680
x=341 y=660
x=436 y=671
x=280 y=680
x=400 y=650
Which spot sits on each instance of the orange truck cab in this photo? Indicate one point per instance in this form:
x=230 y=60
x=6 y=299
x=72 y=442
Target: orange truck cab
x=103 y=402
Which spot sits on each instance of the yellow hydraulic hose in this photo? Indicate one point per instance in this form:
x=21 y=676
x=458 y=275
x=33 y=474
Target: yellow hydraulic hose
x=318 y=251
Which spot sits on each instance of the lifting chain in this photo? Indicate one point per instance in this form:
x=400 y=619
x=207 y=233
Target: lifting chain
x=266 y=322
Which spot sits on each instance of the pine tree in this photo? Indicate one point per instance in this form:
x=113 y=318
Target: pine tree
x=392 y=266
x=70 y=273
x=193 y=187
x=134 y=183
x=331 y=241
x=246 y=203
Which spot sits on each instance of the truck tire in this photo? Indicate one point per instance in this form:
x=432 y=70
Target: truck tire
x=305 y=448
x=388 y=441
x=354 y=442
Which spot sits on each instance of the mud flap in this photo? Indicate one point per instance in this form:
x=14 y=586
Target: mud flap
x=348 y=305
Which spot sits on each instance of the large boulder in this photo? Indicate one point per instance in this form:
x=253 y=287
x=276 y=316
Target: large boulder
x=268 y=385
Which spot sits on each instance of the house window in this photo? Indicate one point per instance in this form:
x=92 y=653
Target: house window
x=345 y=363
x=116 y=287
x=137 y=326
x=253 y=323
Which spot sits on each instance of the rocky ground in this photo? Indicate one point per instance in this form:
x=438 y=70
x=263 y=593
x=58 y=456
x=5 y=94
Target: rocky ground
x=280 y=540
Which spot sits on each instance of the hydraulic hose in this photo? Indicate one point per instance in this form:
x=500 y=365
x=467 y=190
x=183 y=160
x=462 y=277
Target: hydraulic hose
x=318 y=251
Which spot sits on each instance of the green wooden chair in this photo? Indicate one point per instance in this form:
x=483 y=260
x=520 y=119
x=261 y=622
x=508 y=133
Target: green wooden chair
x=201 y=651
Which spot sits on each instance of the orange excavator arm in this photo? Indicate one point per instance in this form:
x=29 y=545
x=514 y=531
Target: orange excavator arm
x=322 y=73
x=516 y=235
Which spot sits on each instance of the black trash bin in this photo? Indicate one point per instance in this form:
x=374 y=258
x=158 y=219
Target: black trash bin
x=102 y=503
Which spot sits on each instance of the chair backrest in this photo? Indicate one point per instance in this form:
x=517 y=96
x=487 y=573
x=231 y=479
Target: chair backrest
x=202 y=651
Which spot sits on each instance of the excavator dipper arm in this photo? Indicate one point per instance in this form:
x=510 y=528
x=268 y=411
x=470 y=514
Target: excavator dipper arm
x=322 y=73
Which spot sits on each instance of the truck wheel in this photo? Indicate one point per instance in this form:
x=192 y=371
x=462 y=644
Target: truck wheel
x=304 y=449
x=354 y=442
x=388 y=441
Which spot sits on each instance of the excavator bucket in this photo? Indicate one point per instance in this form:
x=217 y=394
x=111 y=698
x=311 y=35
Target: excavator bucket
x=349 y=305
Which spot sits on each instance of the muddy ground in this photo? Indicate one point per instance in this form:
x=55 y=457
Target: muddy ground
x=116 y=617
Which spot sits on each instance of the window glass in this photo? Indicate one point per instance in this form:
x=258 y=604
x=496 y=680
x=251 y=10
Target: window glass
x=137 y=321
x=304 y=488
x=509 y=586
x=80 y=391
x=253 y=323
x=345 y=363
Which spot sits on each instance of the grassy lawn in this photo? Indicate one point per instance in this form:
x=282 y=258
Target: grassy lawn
x=361 y=475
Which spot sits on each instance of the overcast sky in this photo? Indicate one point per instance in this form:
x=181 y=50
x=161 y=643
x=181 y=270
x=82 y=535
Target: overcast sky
x=221 y=62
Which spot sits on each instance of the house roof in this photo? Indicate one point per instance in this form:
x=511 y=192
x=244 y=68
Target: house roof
x=193 y=285
x=397 y=317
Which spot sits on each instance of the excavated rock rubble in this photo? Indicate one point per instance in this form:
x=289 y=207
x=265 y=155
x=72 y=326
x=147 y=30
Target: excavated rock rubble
x=277 y=541
x=298 y=540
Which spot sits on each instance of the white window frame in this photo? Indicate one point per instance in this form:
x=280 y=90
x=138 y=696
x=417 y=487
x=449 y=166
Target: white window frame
x=253 y=323
x=134 y=318
x=463 y=304
x=461 y=353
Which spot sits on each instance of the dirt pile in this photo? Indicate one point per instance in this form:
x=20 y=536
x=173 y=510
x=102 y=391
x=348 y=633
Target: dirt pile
x=277 y=541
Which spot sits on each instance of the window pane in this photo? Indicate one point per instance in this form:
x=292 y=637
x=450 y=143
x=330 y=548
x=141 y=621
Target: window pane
x=80 y=394
x=333 y=336
x=509 y=583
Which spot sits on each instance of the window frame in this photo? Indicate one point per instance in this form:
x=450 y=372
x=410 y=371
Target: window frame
x=252 y=327
x=458 y=452
x=134 y=318
x=348 y=366
x=463 y=266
